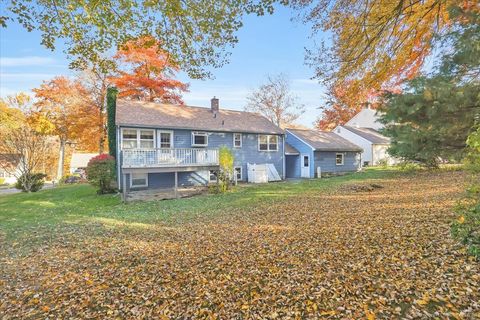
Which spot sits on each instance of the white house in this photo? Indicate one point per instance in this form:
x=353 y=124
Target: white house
x=80 y=161
x=362 y=130
x=9 y=168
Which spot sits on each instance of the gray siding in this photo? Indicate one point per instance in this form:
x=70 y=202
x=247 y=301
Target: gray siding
x=326 y=161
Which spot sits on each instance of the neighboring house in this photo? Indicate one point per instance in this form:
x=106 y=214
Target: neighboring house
x=310 y=152
x=79 y=162
x=165 y=146
x=366 y=118
x=9 y=168
x=362 y=130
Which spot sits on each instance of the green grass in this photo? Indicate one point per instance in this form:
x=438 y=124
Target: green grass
x=79 y=204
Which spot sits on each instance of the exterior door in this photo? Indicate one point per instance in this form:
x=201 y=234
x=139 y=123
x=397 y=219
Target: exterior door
x=305 y=166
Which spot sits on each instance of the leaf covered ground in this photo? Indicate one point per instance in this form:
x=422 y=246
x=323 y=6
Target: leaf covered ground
x=340 y=253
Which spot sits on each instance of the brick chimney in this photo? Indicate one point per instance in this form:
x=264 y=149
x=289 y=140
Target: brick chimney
x=214 y=105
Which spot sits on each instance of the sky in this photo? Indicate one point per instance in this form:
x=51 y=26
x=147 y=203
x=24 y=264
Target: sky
x=270 y=44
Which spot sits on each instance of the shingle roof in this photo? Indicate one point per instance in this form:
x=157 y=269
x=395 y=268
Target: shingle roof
x=325 y=141
x=289 y=150
x=140 y=113
x=370 y=134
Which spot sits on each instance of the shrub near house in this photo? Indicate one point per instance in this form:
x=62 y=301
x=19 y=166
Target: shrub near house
x=101 y=173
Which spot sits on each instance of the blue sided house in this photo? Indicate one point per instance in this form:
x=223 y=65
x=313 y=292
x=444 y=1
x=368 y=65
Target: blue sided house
x=311 y=153
x=167 y=146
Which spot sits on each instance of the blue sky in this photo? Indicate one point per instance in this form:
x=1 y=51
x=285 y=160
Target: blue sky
x=267 y=45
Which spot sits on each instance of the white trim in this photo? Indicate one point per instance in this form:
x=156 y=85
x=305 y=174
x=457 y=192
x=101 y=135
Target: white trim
x=241 y=142
x=117 y=160
x=138 y=186
x=343 y=159
x=159 y=138
x=241 y=172
x=268 y=142
x=293 y=134
x=138 y=134
x=199 y=133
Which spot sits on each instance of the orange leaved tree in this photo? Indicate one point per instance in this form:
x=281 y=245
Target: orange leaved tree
x=150 y=72
x=65 y=110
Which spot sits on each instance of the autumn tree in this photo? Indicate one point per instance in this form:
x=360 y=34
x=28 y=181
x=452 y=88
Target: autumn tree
x=198 y=34
x=149 y=72
x=374 y=42
x=67 y=110
x=275 y=101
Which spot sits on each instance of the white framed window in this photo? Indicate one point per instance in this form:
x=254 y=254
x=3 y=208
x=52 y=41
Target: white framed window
x=138 y=180
x=165 y=139
x=238 y=173
x=339 y=157
x=237 y=140
x=199 y=139
x=138 y=138
x=267 y=142
x=212 y=176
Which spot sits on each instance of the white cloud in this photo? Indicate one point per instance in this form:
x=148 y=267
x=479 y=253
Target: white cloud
x=27 y=61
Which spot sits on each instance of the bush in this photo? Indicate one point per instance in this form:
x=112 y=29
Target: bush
x=101 y=173
x=2 y=181
x=30 y=182
x=225 y=174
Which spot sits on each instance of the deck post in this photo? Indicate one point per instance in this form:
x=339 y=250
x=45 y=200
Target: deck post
x=176 y=184
x=124 y=188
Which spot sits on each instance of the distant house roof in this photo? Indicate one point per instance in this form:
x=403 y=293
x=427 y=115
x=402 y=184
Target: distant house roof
x=80 y=160
x=369 y=134
x=325 y=141
x=150 y=114
x=289 y=150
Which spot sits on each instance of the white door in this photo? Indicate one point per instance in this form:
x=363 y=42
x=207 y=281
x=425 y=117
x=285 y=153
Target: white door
x=305 y=166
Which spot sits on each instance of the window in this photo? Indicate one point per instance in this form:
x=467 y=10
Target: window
x=339 y=159
x=238 y=173
x=137 y=138
x=212 y=176
x=166 y=139
x=305 y=161
x=267 y=143
x=146 y=139
x=139 y=180
x=237 y=140
x=199 y=139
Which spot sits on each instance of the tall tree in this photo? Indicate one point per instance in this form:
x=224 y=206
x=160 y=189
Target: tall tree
x=197 y=33
x=96 y=82
x=275 y=101
x=66 y=105
x=150 y=72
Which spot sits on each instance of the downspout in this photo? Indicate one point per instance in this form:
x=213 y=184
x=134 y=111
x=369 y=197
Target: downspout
x=118 y=159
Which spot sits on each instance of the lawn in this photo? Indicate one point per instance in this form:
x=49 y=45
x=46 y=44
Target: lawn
x=309 y=249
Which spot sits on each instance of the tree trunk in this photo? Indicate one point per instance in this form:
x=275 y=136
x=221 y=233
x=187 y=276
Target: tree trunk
x=61 y=160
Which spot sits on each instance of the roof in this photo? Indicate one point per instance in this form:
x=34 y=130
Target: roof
x=151 y=114
x=369 y=134
x=289 y=150
x=80 y=160
x=324 y=141
x=366 y=118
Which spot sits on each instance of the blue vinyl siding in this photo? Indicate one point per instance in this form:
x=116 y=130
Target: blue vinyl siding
x=248 y=153
x=326 y=161
x=292 y=166
x=303 y=148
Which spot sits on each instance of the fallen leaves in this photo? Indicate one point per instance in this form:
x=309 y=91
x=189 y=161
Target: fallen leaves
x=381 y=254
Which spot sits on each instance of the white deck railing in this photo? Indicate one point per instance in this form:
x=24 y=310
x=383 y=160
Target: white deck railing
x=169 y=157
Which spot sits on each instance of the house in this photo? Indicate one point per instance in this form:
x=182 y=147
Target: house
x=166 y=146
x=9 y=170
x=79 y=162
x=363 y=130
x=311 y=153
